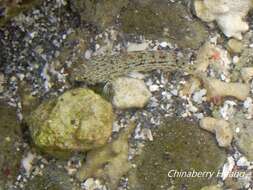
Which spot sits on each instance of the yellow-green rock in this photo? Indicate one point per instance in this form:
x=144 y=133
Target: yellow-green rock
x=78 y=120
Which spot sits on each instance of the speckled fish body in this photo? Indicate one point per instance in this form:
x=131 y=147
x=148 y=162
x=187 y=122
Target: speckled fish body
x=106 y=68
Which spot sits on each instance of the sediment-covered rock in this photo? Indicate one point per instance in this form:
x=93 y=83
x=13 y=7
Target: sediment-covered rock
x=100 y=13
x=9 y=9
x=158 y=19
x=243 y=134
x=10 y=146
x=177 y=146
x=53 y=178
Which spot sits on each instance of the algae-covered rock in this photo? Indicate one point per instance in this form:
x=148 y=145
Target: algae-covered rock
x=9 y=9
x=178 y=146
x=10 y=141
x=78 y=120
x=101 y=13
x=52 y=178
x=243 y=138
x=153 y=18
x=162 y=20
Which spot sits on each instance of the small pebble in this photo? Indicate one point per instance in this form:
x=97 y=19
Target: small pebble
x=164 y=44
x=235 y=46
x=243 y=162
x=153 y=88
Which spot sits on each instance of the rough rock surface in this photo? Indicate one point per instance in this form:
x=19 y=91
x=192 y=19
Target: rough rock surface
x=152 y=18
x=78 y=120
x=160 y=20
x=130 y=93
x=52 y=178
x=177 y=146
x=10 y=141
x=243 y=138
x=101 y=13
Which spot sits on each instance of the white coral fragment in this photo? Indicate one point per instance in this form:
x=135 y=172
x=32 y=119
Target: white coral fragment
x=229 y=15
x=247 y=73
x=215 y=57
x=205 y=56
x=220 y=128
x=216 y=88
